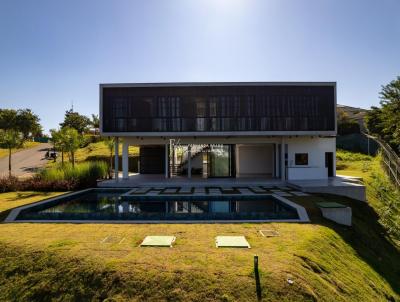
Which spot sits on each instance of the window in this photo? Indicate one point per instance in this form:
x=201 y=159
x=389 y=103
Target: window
x=301 y=159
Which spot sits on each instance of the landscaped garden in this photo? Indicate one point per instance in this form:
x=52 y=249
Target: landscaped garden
x=318 y=261
x=94 y=262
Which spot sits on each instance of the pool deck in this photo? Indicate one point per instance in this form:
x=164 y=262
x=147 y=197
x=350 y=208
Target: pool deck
x=135 y=180
x=340 y=185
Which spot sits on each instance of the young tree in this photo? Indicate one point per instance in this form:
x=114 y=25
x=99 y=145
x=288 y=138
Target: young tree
x=95 y=122
x=75 y=120
x=109 y=142
x=58 y=143
x=71 y=140
x=10 y=139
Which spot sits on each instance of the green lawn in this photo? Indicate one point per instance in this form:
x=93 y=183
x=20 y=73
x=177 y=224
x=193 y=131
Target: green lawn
x=15 y=199
x=355 y=164
x=27 y=145
x=12 y=200
x=327 y=262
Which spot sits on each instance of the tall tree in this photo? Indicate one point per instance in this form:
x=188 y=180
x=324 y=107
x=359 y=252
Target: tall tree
x=22 y=120
x=28 y=123
x=385 y=121
x=10 y=139
x=373 y=121
x=75 y=120
x=390 y=101
x=8 y=119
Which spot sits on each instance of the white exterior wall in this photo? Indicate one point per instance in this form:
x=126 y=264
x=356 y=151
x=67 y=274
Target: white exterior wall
x=261 y=162
x=254 y=160
x=316 y=148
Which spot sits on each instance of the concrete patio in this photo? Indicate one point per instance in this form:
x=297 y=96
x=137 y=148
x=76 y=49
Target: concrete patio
x=340 y=185
x=136 y=179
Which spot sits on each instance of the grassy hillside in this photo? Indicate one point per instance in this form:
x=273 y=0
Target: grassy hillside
x=100 y=152
x=327 y=262
x=99 y=149
x=381 y=194
x=354 y=113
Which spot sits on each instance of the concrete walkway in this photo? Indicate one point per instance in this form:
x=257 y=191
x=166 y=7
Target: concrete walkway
x=24 y=163
x=160 y=180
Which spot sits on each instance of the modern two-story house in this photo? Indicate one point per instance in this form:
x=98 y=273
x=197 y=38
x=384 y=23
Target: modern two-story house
x=266 y=130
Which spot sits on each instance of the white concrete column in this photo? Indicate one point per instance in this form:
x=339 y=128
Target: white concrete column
x=277 y=157
x=189 y=161
x=166 y=161
x=283 y=159
x=237 y=166
x=334 y=160
x=116 y=151
x=125 y=160
x=173 y=159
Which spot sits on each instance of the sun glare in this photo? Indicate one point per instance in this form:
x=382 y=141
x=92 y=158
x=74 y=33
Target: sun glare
x=227 y=5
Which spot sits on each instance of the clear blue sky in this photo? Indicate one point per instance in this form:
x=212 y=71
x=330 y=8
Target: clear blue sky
x=54 y=52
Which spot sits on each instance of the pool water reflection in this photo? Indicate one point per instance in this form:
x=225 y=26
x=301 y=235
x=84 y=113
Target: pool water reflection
x=107 y=204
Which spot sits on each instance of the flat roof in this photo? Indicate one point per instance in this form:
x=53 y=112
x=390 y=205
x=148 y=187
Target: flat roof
x=184 y=84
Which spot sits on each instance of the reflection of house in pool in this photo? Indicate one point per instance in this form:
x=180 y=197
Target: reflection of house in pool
x=284 y=131
x=116 y=205
x=267 y=204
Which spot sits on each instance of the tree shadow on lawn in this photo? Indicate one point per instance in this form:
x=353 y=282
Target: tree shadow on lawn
x=23 y=195
x=366 y=236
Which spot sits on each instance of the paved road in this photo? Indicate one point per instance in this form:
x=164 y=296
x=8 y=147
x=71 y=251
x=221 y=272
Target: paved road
x=25 y=162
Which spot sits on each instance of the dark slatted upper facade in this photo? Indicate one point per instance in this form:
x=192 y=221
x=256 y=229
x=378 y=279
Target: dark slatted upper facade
x=225 y=107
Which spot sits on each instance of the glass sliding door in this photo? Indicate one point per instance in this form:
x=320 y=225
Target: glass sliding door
x=219 y=161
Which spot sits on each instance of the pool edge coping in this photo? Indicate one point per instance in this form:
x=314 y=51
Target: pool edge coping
x=11 y=217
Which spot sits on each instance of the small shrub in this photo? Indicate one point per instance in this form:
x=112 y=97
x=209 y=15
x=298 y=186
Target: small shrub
x=389 y=209
x=8 y=184
x=366 y=167
x=351 y=156
x=84 y=174
x=59 y=178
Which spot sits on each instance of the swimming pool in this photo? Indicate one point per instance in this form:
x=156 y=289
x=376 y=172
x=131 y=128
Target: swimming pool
x=113 y=205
